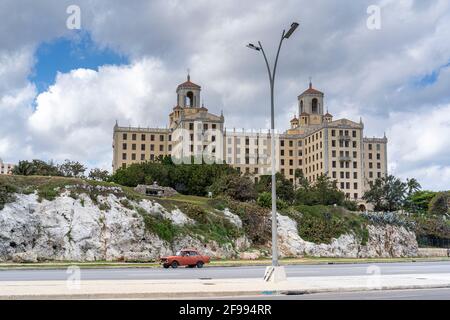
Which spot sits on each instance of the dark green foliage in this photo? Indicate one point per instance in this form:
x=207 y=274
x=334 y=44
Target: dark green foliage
x=7 y=194
x=255 y=220
x=440 y=204
x=285 y=188
x=387 y=194
x=235 y=186
x=418 y=202
x=350 y=205
x=320 y=224
x=323 y=192
x=99 y=175
x=42 y=168
x=189 y=179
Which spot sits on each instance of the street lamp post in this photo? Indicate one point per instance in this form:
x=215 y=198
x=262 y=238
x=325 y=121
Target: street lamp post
x=284 y=35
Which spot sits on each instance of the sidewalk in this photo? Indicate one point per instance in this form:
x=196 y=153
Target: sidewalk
x=167 y=289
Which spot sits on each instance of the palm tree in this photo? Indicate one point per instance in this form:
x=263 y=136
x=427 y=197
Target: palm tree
x=412 y=186
x=24 y=168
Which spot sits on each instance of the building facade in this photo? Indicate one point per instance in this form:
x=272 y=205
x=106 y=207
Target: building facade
x=6 y=168
x=314 y=145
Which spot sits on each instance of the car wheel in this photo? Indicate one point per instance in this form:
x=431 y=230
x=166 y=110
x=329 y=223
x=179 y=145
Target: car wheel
x=200 y=264
x=174 y=264
x=166 y=266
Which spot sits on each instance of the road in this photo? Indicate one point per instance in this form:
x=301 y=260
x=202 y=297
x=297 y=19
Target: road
x=419 y=294
x=227 y=272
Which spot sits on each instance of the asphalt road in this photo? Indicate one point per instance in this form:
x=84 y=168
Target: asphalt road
x=227 y=272
x=419 y=294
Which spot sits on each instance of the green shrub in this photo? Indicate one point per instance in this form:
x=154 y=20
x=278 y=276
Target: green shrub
x=320 y=224
x=265 y=200
x=7 y=194
x=127 y=204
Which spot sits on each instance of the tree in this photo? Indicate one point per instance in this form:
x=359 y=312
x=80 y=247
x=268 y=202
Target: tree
x=413 y=186
x=419 y=201
x=24 y=168
x=99 y=175
x=324 y=191
x=439 y=205
x=237 y=187
x=72 y=168
x=285 y=188
x=387 y=194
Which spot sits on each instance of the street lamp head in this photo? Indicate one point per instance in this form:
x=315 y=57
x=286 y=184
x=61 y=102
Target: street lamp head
x=294 y=26
x=252 y=46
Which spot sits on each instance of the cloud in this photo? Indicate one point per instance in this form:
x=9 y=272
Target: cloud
x=370 y=74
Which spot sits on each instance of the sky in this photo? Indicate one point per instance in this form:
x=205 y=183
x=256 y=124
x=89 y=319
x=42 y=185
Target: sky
x=61 y=89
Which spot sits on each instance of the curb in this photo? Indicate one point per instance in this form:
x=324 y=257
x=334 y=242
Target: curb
x=218 y=294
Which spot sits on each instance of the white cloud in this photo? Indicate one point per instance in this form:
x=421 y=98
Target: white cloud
x=363 y=73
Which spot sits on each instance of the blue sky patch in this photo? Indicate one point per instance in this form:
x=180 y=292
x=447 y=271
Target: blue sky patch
x=430 y=78
x=67 y=53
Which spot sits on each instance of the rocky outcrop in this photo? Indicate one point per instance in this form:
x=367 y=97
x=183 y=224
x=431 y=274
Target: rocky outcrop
x=78 y=230
x=114 y=229
x=384 y=241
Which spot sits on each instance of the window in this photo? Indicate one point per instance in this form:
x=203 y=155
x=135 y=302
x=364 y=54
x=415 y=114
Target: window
x=124 y=146
x=143 y=137
x=124 y=156
x=205 y=126
x=161 y=137
x=378 y=165
x=142 y=147
x=170 y=147
x=291 y=143
x=370 y=146
x=133 y=146
x=333 y=164
x=333 y=143
x=191 y=126
x=370 y=156
x=152 y=147
x=133 y=156
x=142 y=157
x=333 y=153
x=355 y=175
x=355 y=185
x=378 y=156
x=354 y=144
x=355 y=165
x=124 y=136
x=333 y=133
x=354 y=133
x=282 y=143
x=214 y=126
x=133 y=136
x=152 y=137
x=334 y=174
x=342 y=174
x=282 y=152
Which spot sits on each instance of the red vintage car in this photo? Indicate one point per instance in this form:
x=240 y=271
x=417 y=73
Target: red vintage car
x=186 y=257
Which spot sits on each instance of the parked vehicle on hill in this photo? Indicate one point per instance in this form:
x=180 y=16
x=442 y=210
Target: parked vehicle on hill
x=186 y=257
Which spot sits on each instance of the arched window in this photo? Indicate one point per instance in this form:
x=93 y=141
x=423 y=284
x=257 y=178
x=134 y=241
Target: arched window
x=315 y=106
x=189 y=99
x=301 y=106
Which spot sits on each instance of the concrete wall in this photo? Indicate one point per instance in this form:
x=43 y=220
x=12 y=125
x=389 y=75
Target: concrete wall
x=433 y=252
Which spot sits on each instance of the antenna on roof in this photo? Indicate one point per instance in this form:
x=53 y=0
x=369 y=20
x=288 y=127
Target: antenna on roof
x=188 y=74
x=310 y=82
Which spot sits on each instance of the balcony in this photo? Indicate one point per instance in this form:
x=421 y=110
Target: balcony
x=344 y=137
